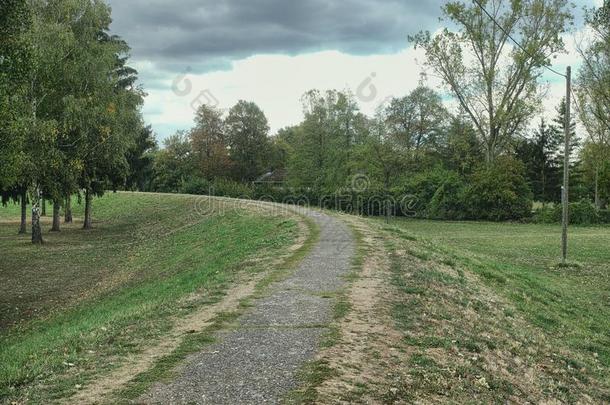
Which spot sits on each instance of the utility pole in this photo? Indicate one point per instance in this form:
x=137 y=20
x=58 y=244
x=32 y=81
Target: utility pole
x=565 y=195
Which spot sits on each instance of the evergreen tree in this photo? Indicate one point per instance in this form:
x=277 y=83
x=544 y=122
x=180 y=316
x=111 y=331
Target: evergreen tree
x=559 y=129
x=540 y=154
x=140 y=158
x=576 y=176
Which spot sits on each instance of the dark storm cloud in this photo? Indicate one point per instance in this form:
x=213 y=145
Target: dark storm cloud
x=209 y=34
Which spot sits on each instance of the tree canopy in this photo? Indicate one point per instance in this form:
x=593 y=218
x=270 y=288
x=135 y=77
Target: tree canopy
x=495 y=81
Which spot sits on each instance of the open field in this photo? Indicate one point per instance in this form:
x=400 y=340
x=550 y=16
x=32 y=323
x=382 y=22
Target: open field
x=487 y=313
x=455 y=312
x=83 y=301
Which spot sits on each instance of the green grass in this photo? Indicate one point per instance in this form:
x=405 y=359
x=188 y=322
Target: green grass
x=77 y=305
x=570 y=306
x=311 y=375
x=521 y=262
x=165 y=367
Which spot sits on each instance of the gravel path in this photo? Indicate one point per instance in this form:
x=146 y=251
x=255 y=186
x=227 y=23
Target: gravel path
x=257 y=361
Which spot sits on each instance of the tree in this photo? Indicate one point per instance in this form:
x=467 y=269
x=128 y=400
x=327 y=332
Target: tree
x=559 y=129
x=322 y=146
x=594 y=76
x=174 y=164
x=378 y=158
x=247 y=129
x=280 y=148
x=593 y=96
x=498 y=192
x=53 y=42
x=416 y=121
x=102 y=115
x=461 y=150
x=595 y=154
x=209 y=143
x=494 y=81
x=311 y=143
x=15 y=67
x=540 y=154
x=595 y=158
x=74 y=98
x=140 y=158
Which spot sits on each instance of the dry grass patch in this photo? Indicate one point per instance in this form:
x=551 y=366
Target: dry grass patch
x=424 y=326
x=466 y=343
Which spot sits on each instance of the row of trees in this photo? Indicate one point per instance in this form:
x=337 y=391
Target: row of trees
x=71 y=121
x=236 y=146
x=410 y=140
x=69 y=107
x=413 y=145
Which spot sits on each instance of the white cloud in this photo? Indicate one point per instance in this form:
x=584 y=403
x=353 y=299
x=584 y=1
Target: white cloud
x=277 y=82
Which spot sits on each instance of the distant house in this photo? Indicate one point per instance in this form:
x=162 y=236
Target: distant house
x=275 y=177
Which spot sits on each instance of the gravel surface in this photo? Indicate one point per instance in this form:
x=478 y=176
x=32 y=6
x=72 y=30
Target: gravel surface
x=257 y=362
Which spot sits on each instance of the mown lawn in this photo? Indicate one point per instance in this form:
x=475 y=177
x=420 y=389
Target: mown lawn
x=562 y=346
x=78 y=304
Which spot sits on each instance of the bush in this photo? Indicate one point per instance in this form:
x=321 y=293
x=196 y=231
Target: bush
x=447 y=202
x=546 y=215
x=496 y=193
x=195 y=185
x=232 y=189
x=428 y=187
x=604 y=216
x=499 y=192
x=218 y=188
x=581 y=213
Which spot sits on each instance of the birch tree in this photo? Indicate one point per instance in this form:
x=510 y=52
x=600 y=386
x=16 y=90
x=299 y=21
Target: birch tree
x=15 y=66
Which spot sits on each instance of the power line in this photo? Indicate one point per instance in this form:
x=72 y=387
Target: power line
x=478 y=3
x=566 y=170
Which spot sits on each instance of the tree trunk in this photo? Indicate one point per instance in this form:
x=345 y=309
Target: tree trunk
x=597 y=202
x=68 y=217
x=44 y=207
x=56 y=217
x=36 y=229
x=88 y=197
x=543 y=189
x=489 y=153
x=387 y=197
x=24 y=211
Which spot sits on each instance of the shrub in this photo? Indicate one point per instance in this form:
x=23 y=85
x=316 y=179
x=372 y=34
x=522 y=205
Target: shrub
x=583 y=213
x=604 y=216
x=447 y=202
x=230 y=188
x=424 y=188
x=546 y=215
x=499 y=192
x=195 y=185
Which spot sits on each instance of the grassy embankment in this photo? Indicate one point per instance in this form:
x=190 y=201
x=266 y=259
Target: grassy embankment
x=75 y=307
x=488 y=314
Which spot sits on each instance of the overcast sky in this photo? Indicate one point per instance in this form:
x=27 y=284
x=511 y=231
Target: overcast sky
x=273 y=51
